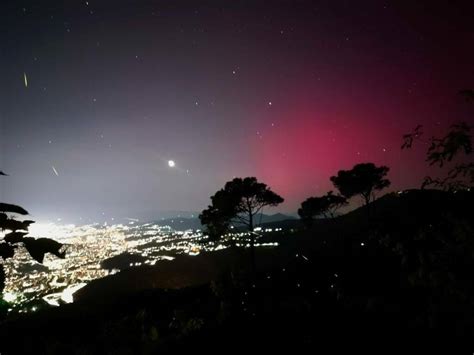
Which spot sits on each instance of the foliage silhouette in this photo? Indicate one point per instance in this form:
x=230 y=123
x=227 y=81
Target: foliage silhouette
x=238 y=202
x=325 y=206
x=6 y=207
x=409 y=138
x=37 y=248
x=363 y=179
x=216 y=220
x=456 y=143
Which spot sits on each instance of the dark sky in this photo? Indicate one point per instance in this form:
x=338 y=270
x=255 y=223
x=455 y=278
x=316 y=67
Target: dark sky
x=287 y=91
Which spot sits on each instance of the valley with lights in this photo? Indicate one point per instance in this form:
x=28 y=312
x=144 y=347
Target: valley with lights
x=91 y=251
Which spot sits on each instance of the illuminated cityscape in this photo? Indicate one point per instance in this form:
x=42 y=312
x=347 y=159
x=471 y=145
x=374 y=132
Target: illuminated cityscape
x=90 y=251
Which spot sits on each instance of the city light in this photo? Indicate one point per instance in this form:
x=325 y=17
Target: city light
x=89 y=246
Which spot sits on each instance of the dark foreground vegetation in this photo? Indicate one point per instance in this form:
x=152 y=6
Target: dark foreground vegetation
x=401 y=281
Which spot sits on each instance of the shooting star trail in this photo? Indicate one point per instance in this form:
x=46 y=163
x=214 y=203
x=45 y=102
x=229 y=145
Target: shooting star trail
x=25 y=79
x=55 y=171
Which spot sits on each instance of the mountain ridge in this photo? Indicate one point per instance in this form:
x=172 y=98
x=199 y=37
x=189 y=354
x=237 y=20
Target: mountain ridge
x=186 y=223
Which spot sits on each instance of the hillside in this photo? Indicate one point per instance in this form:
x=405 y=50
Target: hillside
x=357 y=274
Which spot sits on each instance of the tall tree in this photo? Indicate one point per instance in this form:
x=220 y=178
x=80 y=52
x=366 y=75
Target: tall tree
x=239 y=202
x=325 y=206
x=363 y=179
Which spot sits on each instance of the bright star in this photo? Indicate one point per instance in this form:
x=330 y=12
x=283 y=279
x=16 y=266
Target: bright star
x=171 y=163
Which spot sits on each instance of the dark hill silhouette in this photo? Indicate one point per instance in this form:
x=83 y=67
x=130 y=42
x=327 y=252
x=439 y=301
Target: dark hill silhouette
x=406 y=210
x=408 y=207
x=184 y=271
x=411 y=208
x=121 y=261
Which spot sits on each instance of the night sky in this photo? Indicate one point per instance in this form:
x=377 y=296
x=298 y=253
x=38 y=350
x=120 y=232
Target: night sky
x=97 y=96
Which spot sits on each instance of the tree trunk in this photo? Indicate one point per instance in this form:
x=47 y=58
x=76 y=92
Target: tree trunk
x=2 y=278
x=252 y=244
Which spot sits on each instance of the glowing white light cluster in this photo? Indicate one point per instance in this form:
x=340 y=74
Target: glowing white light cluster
x=88 y=246
x=10 y=297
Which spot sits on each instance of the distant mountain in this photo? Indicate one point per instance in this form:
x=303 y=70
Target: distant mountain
x=185 y=223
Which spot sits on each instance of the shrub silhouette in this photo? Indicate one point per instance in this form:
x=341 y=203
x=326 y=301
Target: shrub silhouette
x=238 y=202
x=37 y=248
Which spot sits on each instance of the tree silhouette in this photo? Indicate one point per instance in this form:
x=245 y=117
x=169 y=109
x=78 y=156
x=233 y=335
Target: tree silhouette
x=239 y=202
x=37 y=248
x=363 y=179
x=217 y=217
x=442 y=151
x=325 y=206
